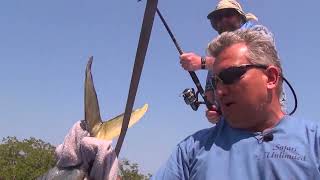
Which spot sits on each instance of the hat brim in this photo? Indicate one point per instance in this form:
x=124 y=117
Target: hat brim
x=215 y=12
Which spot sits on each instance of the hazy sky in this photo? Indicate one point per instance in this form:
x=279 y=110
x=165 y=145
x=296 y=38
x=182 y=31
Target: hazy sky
x=44 y=47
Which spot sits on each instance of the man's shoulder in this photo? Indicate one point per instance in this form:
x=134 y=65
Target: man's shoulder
x=253 y=25
x=202 y=138
x=301 y=121
x=310 y=124
x=302 y=126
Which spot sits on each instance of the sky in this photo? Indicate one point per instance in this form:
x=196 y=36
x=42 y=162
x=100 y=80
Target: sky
x=45 y=45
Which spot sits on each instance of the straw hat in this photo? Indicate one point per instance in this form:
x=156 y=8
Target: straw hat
x=232 y=4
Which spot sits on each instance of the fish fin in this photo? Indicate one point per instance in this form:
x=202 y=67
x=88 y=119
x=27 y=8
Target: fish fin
x=91 y=105
x=112 y=128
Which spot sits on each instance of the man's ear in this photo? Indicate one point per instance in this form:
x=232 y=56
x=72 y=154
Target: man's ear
x=273 y=75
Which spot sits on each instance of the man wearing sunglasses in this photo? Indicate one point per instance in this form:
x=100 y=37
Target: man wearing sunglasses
x=227 y=16
x=254 y=139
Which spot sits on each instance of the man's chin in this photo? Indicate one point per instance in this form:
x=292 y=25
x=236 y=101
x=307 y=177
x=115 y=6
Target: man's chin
x=227 y=29
x=235 y=121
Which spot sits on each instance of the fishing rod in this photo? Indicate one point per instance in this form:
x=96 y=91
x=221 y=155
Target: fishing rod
x=190 y=97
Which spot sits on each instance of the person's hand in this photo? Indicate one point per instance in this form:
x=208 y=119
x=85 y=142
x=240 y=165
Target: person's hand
x=190 y=61
x=212 y=115
x=89 y=153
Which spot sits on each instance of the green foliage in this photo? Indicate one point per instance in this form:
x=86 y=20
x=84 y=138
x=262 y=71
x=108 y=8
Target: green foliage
x=26 y=159
x=31 y=158
x=130 y=171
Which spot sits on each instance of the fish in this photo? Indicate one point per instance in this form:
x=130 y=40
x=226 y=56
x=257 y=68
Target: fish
x=106 y=130
x=109 y=129
x=56 y=173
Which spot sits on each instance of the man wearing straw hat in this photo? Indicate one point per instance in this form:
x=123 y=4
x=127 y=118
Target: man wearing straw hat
x=227 y=16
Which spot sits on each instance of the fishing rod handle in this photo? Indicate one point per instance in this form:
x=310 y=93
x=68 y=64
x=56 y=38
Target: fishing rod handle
x=200 y=89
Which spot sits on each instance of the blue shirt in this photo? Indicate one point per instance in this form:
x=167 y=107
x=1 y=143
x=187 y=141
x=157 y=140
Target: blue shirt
x=222 y=152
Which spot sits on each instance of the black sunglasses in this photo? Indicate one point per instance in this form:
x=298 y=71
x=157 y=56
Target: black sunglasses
x=223 y=13
x=233 y=74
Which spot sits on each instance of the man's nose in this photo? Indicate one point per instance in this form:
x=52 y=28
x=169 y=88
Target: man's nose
x=221 y=90
x=224 y=18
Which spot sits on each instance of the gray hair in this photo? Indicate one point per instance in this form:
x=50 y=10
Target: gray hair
x=261 y=47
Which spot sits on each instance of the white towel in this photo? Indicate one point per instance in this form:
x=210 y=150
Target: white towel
x=90 y=154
